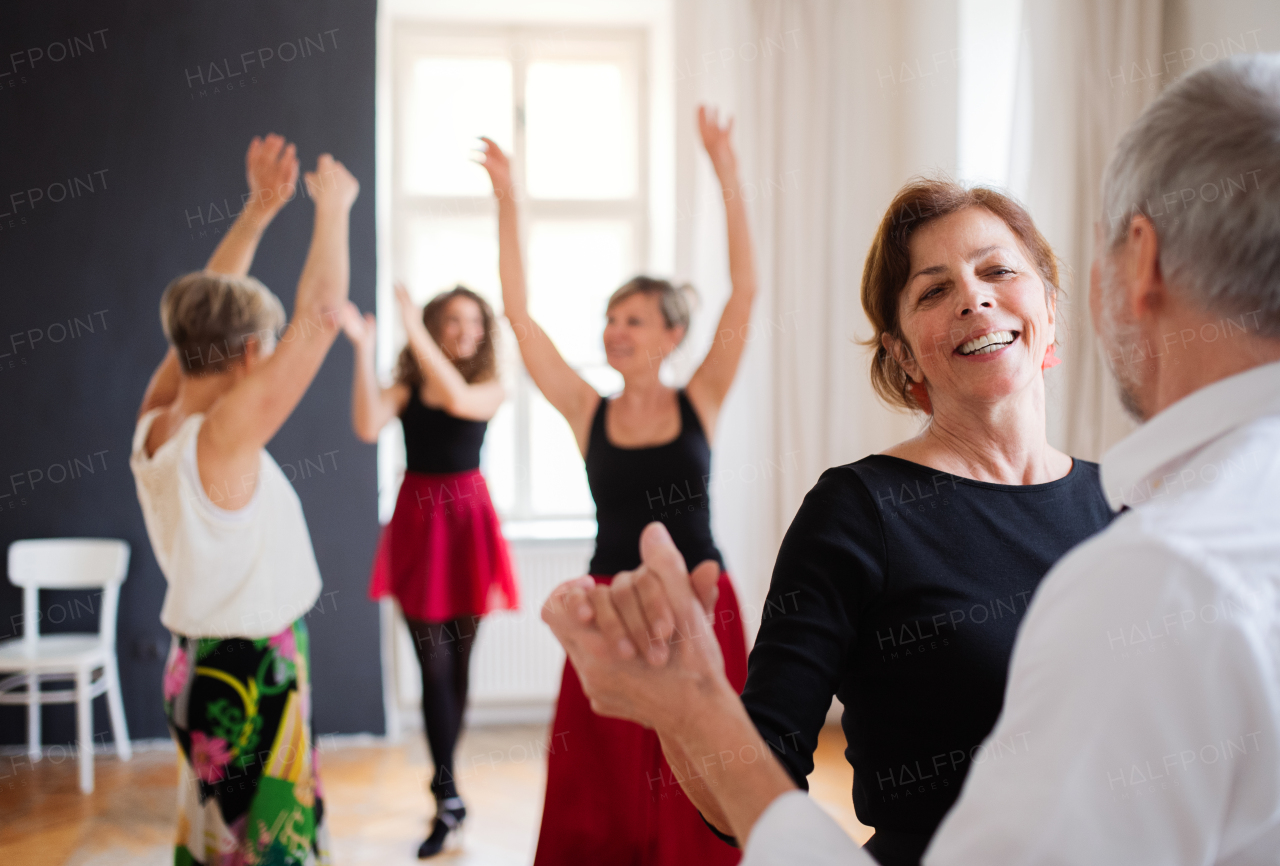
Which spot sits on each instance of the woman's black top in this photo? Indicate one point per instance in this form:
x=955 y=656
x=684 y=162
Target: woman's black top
x=436 y=442
x=899 y=589
x=633 y=487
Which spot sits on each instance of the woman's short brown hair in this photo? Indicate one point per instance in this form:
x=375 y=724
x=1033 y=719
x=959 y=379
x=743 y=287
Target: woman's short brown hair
x=208 y=318
x=888 y=264
x=480 y=367
x=675 y=302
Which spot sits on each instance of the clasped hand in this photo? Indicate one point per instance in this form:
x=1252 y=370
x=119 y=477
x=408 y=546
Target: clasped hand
x=644 y=646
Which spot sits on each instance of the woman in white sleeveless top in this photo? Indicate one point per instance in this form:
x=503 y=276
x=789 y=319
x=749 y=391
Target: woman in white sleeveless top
x=228 y=531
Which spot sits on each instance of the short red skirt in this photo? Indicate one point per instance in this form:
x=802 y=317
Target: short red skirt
x=443 y=556
x=611 y=798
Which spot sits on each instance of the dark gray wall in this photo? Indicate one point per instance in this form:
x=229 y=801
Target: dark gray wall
x=150 y=154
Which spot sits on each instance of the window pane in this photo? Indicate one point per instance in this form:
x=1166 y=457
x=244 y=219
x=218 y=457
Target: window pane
x=989 y=42
x=603 y=378
x=573 y=268
x=580 y=131
x=446 y=251
x=558 y=478
x=451 y=101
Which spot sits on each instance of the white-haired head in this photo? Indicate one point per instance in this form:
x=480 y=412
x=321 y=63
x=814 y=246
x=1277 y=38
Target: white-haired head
x=1202 y=162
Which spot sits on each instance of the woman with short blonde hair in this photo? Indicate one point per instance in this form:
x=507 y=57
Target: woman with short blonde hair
x=228 y=530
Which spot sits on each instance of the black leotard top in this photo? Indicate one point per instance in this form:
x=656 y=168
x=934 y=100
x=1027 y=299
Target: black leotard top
x=633 y=487
x=436 y=442
x=900 y=588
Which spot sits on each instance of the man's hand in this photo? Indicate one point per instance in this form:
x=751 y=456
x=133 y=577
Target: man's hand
x=641 y=615
x=602 y=647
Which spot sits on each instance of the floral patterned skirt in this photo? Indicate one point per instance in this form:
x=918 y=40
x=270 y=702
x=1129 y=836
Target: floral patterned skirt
x=249 y=788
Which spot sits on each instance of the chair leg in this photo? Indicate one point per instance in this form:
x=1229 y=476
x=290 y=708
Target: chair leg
x=84 y=729
x=119 y=729
x=34 y=746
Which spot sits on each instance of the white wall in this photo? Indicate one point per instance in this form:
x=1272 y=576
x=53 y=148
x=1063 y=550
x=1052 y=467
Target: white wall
x=1201 y=31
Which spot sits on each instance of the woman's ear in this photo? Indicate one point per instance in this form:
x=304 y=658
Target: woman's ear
x=677 y=336
x=252 y=354
x=901 y=352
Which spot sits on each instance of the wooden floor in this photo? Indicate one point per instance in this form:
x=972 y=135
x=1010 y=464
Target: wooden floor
x=375 y=796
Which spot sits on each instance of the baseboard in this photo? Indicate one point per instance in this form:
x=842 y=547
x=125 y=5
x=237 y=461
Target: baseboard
x=482 y=714
x=59 y=751
x=534 y=712
x=511 y=713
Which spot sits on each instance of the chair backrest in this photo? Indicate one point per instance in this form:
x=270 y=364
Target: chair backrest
x=69 y=563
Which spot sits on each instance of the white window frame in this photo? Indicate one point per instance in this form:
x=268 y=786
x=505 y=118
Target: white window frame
x=520 y=45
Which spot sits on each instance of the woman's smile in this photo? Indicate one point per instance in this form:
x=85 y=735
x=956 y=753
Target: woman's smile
x=985 y=347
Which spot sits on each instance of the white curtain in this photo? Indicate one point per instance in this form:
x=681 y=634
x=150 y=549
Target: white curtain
x=837 y=104
x=1088 y=67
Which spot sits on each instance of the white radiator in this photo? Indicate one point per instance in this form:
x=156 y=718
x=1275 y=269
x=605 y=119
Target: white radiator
x=516 y=664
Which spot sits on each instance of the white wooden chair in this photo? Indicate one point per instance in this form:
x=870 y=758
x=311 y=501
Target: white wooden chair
x=88 y=660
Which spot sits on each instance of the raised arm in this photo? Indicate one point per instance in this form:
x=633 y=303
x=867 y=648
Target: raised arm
x=163 y=387
x=710 y=384
x=564 y=389
x=372 y=405
x=272 y=171
x=246 y=418
x=446 y=389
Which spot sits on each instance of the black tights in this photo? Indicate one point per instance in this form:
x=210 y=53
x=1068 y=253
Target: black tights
x=444 y=652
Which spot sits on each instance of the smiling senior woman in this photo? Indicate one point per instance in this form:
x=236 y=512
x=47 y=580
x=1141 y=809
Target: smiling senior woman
x=901 y=582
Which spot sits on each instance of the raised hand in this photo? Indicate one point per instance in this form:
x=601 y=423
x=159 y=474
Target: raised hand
x=331 y=186
x=410 y=314
x=715 y=139
x=360 y=330
x=271 y=167
x=496 y=163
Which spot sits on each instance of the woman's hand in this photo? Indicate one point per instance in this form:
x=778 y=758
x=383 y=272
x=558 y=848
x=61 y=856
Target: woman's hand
x=271 y=168
x=715 y=139
x=331 y=186
x=496 y=163
x=410 y=313
x=360 y=330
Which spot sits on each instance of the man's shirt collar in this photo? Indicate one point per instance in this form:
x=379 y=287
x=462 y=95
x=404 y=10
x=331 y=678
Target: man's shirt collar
x=1133 y=470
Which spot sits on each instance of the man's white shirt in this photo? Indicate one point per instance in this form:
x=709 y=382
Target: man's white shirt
x=1141 y=722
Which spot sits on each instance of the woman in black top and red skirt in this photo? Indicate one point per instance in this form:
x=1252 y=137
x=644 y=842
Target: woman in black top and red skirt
x=442 y=556
x=610 y=796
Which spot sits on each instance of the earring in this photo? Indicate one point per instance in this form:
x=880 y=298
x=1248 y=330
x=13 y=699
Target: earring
x=920 y=394
x=1050 y=358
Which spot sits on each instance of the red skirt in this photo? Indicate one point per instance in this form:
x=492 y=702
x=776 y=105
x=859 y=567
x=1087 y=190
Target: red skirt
x=443 y=556
x=611 y=798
